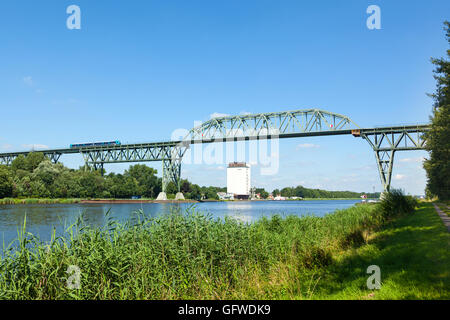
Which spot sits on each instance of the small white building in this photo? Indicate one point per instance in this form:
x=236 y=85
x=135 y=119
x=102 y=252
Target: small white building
x=225 y=196
x=238 y=180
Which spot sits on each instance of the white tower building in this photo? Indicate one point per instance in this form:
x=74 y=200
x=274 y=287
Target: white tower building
x=238 y=180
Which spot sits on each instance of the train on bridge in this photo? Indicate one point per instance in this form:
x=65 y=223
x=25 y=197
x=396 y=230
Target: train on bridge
x=95 y=144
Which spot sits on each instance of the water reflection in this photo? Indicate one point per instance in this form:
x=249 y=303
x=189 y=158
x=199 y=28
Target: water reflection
x=233 y=206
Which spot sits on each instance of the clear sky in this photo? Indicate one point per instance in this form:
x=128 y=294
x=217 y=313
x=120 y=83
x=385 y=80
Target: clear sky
x=138 y=70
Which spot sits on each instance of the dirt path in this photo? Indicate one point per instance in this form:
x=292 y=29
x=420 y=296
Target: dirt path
x=445 y=218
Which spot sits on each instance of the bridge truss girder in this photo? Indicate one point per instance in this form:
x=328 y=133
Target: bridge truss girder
x=7 y=159
x=170 y=153
x=284 y=124
x=53 y=156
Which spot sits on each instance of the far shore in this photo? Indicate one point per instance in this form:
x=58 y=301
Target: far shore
x=139 y=201
x=10 y=201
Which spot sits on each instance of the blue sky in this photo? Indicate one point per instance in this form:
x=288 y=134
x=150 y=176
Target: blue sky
x=138 y=70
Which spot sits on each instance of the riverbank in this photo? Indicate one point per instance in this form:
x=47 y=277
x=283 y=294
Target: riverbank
x=412 y=253
x=88 y=201
x=9 y=201
x=39 y=201
x=101 y=201
x=192 y=256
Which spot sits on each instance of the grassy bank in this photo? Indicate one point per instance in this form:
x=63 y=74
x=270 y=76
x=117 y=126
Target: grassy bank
x=182 y=256
x=412 y=253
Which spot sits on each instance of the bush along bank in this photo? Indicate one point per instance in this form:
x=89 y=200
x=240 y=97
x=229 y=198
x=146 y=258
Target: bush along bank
x=189 y=256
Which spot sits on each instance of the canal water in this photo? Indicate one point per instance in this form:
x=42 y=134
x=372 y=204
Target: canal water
x=41 y=219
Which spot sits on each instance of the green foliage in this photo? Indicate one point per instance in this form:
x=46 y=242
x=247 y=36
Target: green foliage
x=394 y=203
x=19 y=163
x=438 y=138
x=193 y=256
x=211 y=192
x=28 y=163
x=171 y=188
x=303 y=192
x=34 y=176
x=148 y=184
x=263 y=193
x=194 y=192
x=175 y=256
x=5 y=182
x=413 y=254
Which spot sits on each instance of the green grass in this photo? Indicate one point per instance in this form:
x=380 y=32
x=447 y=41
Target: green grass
x=412 y=253
x=192 y=256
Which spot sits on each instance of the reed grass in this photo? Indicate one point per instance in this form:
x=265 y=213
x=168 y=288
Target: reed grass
x=185 y=255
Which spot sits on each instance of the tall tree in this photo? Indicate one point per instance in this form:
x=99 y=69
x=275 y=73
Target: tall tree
x=148 y=182
x=5 y=182
x=437 y=165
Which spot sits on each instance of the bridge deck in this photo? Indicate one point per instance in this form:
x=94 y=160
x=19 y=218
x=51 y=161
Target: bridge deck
x=367 y=131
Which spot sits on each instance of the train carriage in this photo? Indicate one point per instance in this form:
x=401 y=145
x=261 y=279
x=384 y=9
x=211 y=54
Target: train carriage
x=95 y=144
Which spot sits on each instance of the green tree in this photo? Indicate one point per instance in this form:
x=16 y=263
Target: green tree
x=185 y=186
x=19 y=163
x=66 y=185
x=148 y=182
x=6 y=181
x=47 y=173
x=437 y=165
x=33 y=159
x=195 y=193
x=171 y=188
x=211 y=193
x=263 y=193
x=91 y=184
x=287 y=192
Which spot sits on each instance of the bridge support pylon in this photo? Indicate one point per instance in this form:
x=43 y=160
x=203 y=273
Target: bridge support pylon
x=171 y=173
x=171 y=166
x=98 y=166
x=385 y=162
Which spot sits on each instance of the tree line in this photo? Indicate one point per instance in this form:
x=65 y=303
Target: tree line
x=437 y=166
x=35 y=176
x=303 y=192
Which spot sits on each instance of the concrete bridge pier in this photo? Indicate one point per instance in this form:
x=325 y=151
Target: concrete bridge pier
x=179 y=196
x=162 y=196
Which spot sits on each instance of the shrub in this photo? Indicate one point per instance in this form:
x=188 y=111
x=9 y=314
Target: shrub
x=316 y=257
x=396 y=203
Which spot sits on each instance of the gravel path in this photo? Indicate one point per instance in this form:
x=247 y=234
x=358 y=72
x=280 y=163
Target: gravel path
x=445 y=218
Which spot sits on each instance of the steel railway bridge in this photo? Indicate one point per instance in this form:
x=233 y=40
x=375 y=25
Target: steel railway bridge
x=384 y=141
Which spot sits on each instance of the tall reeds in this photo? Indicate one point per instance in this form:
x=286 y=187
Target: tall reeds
x=180 y=256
